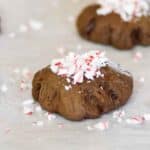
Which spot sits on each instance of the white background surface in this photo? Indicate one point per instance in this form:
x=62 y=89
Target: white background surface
x=33 y=50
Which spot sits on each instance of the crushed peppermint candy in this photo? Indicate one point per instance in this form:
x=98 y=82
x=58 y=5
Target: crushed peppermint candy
x=137 y=56
x=4 y=88
x=119 y=115
x=68 y=87
x=12 y=35
x=147 y=116
x=127 y=9
x=102 y=125
x=90 y=128
x=38 y=109
x=23 y=28
x=28 y=107
x=135 y=120
x=51 y=116
x=60 y=125
x=77 y=67
x=28 y=110
x=7 y=130
x=36 y=24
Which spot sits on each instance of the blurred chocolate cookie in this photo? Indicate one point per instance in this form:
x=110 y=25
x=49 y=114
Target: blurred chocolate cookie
x=122 y=24
x=82 y=86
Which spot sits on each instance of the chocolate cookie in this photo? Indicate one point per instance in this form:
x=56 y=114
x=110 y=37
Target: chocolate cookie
x=82 y=86
x=120 y=25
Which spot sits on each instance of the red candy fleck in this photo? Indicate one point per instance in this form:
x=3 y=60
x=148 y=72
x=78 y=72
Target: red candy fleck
x=58 y=64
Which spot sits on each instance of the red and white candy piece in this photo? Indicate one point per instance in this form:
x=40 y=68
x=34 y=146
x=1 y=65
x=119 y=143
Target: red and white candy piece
x=135 y=120
x=137 y=56
x=28 y=107
x=119 y=115
x=3 y=88
x=147 y=116
x=51 y=116
x=102 y=125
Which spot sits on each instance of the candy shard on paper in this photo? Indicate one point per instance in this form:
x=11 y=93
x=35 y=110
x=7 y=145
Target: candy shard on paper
x=90 y=128
x=28 y=107
x=135 y=120
x=38 y=109
x=12 y=35
x=28 y=110
x=102 y=125
x=137 y=56
x=4 y=88
x=51 y=116
x=147 y=116
x=23 y=28
x=36 y=25
x=119 y=114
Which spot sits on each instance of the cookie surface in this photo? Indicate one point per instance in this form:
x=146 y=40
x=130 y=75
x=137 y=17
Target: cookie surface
x=81 y=99
x=111 y=29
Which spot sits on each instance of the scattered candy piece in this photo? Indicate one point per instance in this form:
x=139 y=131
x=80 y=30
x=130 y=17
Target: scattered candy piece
x=16 y=71
x=68 y=80
x=141 y=79
x=26 y=73
x=38 y=109
x=28 y=110
x=137 y=56
x=51 y=116
x=102 y=125
x=60 y=125
x=135 y=120
x=147 y=116
x=68 y=87
x=24 y=86
x=7 y=130
x=28 y=107
x=61 y=50
x=90 y=128
x=36 y=25
x=12 y=35
x=23 y=28
x=4 y=88
x=119 y=114
x=71 y=19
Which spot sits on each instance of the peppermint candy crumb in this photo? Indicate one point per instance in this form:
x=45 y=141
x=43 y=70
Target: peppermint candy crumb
x=76 y=67
x=102 y=125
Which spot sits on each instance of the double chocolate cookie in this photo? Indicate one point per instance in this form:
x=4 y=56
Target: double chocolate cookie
x=120 y=25
x=82 y=86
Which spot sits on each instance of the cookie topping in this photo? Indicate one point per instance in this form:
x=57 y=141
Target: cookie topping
x=128 y=9
x=77 y=67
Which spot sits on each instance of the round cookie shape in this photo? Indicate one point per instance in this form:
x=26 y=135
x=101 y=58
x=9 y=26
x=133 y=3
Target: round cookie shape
x=116 y=26
x=82 y=86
